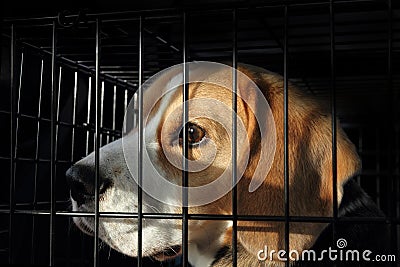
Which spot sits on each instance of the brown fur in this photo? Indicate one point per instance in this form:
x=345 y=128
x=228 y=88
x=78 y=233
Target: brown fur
x=310 y=165
x=310 y=170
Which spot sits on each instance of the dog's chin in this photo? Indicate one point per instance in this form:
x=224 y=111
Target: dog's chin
x=164 y=254
x=167 y=253
x=79 y=222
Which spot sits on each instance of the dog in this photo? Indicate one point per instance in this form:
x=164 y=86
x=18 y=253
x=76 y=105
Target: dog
x=310 y=178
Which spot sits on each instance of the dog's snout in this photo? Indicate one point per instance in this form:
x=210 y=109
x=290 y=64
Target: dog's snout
x=81 y=180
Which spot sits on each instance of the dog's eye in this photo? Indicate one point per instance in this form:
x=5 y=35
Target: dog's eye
x=195 y=134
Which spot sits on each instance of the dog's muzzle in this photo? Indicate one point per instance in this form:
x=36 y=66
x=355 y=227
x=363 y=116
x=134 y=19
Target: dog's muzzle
x=81 y=180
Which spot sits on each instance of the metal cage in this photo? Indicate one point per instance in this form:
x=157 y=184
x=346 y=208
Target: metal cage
x=67 y=80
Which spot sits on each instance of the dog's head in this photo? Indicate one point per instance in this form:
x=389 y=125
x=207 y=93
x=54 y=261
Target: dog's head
x=209 y=154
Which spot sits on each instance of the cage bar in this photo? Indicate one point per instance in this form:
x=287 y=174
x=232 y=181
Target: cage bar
x=378 y=169
x=394 y=211
x=185 y=146
x=74 y=107
x=34 y=203
x=97 y=145
x=114 y=110
x=101 y=112
x=360 y=148
x=333 y=114
x=286 y=130
x=234 y=138
x=140 y=146
x=125 y=127
x=60 y=72
x=13 y=124
x=89 y=102
x=120 y=215
x=53 y=138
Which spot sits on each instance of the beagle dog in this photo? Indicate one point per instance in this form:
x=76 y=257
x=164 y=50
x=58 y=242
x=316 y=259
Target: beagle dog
x=309 y=175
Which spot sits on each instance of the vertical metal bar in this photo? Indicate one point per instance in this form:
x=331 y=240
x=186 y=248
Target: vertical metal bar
x=15 y=111
x=185 y=147
x=378 y=168
x=135 y=108
x=15 y=104
x=234 y=138
x=12 y=147
x=393 y=158
x=114 y=109
x=74 y=116
x=88 y=114
x=126 y=99
x=97 y=147
x=333 y=114
x=286 y=131
x=101 y=111
x=58 y=112
x=140 y=147
x=125 y=107
x=21 y=73
x=69 y=257
x=36 y=165
x=360 y=148
x=53 y=143
x=89 y=103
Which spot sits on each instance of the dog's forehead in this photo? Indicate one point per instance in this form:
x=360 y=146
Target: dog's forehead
x=168 y=87
x=202 y=90
x=173 y=99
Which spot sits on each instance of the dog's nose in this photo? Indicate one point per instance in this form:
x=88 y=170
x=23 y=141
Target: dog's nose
x=81 y=180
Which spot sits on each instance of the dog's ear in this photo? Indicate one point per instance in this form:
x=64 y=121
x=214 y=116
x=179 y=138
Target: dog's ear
x=310 y=170
x=347 y=161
